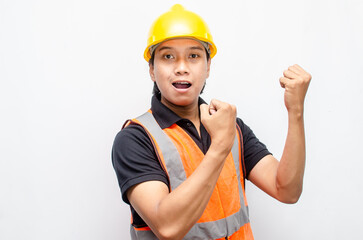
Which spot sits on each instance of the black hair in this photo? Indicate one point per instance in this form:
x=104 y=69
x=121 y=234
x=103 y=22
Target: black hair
x=151 y=62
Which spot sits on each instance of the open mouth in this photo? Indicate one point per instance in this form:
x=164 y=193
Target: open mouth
x=181 y=85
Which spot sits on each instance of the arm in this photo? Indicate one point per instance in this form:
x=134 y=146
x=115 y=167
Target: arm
x=284 y=180
x=172 y=215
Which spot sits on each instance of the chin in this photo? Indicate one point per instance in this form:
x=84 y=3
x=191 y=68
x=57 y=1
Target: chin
x=182 y=101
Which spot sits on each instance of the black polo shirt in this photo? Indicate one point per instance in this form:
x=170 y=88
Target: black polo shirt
x=135 y=160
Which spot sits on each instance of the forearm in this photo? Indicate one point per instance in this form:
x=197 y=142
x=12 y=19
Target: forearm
x=178 y=211
x=290 y=172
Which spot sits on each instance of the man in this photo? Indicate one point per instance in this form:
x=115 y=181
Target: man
x=181 y=166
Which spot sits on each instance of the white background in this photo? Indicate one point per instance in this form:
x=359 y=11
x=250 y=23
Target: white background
x=72 y=72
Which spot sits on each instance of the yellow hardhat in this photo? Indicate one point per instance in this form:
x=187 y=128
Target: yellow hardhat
x=176 y=23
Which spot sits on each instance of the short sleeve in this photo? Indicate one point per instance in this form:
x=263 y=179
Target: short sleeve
x=254 y=150
x=134 y=159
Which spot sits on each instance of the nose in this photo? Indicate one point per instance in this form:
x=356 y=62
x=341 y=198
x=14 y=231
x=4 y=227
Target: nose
x=181 y=67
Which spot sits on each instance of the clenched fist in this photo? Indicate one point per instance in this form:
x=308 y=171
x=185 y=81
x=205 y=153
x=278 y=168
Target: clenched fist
x=219 y=119
x=296 y=82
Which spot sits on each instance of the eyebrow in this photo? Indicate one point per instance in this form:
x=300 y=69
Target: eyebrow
x=193 y=48
x=197 y=48
x=162 y=48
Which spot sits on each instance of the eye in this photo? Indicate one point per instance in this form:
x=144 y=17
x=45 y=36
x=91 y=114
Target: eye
x=168 y=56
x=194 y=55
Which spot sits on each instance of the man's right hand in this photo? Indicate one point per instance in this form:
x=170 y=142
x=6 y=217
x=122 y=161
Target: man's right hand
x=219 y=119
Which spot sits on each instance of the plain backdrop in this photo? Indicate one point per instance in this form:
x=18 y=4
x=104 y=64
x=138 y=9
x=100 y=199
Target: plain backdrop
x=72 y=71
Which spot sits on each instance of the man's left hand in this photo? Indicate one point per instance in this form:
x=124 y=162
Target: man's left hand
x=296 y=82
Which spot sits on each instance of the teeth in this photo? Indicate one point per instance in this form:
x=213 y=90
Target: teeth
x=182 y=83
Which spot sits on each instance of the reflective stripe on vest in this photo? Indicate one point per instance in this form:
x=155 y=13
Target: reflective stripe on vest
x=217 y=229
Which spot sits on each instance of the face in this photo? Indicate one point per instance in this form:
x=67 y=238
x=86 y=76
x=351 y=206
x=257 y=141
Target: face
x=180 y=70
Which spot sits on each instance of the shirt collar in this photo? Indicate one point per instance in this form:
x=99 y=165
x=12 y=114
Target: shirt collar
x=163 y=115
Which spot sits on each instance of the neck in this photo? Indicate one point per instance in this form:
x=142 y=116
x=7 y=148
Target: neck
x=190 y=112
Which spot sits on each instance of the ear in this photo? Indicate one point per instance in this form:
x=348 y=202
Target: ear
x=208 y=67
x=151 y=72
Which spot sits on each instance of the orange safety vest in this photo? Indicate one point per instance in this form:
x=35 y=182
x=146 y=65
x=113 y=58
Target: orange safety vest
x=226 y=214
